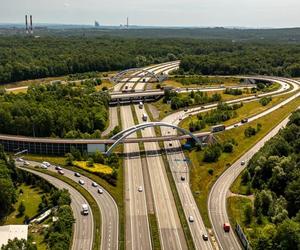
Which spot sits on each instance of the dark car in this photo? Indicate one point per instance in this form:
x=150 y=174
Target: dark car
x=245 y=120
x=204 y=237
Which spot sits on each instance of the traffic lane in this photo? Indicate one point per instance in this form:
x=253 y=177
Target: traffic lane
x=84 y=225
x=217 y=197
x=171 y=233
x=106 y=204
x=113 y=120
x=180 y=169
x=108 y=208
x=137 y=225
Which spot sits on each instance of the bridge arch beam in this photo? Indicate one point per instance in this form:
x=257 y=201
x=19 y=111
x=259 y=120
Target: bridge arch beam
x=124 y=134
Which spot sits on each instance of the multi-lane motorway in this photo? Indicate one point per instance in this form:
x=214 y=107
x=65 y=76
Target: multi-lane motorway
x=147 y=188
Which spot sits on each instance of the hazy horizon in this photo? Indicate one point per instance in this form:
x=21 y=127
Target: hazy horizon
x=167 y=13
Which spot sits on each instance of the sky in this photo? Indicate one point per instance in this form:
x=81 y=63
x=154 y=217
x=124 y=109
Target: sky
x=199 y=13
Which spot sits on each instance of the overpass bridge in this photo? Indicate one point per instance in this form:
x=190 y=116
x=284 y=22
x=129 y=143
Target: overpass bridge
x=54 y=146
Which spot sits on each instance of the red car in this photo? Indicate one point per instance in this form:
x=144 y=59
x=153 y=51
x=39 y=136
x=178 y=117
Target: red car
x=226 y=227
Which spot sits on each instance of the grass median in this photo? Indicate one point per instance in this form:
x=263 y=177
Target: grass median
x=91 y=201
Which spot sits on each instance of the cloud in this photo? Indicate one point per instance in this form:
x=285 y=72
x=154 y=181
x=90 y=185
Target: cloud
x=66 y=5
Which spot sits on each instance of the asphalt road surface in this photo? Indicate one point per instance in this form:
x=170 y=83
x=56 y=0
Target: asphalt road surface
x=113 y=120
x=137 y=225
x=218 y=195
x=109 y=211
x=84 y=225
x=171 y=233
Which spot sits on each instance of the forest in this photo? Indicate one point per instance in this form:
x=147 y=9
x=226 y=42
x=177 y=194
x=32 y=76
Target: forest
x=274 y=176
x=55 y=110
x=24 y=58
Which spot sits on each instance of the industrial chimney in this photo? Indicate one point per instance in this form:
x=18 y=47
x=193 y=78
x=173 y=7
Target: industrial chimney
x=31 y=29
x=26 y=23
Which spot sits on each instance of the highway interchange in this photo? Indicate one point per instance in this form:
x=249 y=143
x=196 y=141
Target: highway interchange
x=150 y=174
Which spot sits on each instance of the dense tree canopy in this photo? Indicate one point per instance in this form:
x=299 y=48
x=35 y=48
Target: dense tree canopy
x=29 y=58
x=54 y=110
x=274 y=174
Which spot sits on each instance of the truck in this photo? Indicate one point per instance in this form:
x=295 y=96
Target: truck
x=144 y=117
x=85 y=209
x=226 y=227
x=140 y=105
x=218 y=128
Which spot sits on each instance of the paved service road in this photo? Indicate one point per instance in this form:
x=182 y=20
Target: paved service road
x=84 y=225
x=171 y=233
x=113 y=120
x=137 y=225
x=109 y=211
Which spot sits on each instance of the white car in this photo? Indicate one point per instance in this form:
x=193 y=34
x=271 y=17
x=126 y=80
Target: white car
x=191 y=218
x=81 y=182
x=46 y=163
x=44 y=166
x=243 y=163
x=19 y=160
x=140 y=189
x=94 y=184
x=77 y=174
x=100 y=191
x=26 y=163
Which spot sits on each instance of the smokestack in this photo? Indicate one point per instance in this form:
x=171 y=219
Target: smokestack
x=31 y=29
x=26 y=24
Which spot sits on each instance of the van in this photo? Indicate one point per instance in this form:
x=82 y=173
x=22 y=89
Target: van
x=85 y=209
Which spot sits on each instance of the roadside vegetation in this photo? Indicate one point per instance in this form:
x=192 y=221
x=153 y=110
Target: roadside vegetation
x=272 y=176
x=204 y=173
x=31 y=196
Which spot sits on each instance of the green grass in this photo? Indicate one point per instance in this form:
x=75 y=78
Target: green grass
x=91 y=201
x=154 y=232
x=31 y=199
x=202 y=181
x=236 y=206
x=183 y=219
x=238 y=187
x=249 y=109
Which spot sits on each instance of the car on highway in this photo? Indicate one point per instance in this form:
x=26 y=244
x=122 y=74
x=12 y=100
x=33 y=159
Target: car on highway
x=185 y=110
x=182 y=178
x=58 y=168
x=81 y=182
x=140 y=189
x=235 y=125
x=170 y=144
x=226 y=227
x=100 y=191
x=243 y=163
x=46 y=163
x=77 y=174
x=85 y=209
x=205 y=237
x=202 y=107
x=180 y=118
x=94 y=184
x=44 y=166
x=245 y=120
x=191 y=218
x=61 y=172
x=26 y=163
x=19 y=160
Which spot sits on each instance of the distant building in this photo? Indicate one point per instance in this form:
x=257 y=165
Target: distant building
x=97 y=24
x=10 y=232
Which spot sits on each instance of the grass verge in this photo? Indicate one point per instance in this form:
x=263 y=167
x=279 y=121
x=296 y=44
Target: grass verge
x=154 y=232
x=183 y=219
x=202 y=181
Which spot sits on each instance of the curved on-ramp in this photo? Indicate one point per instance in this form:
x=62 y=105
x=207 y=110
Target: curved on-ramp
x=84 y=225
